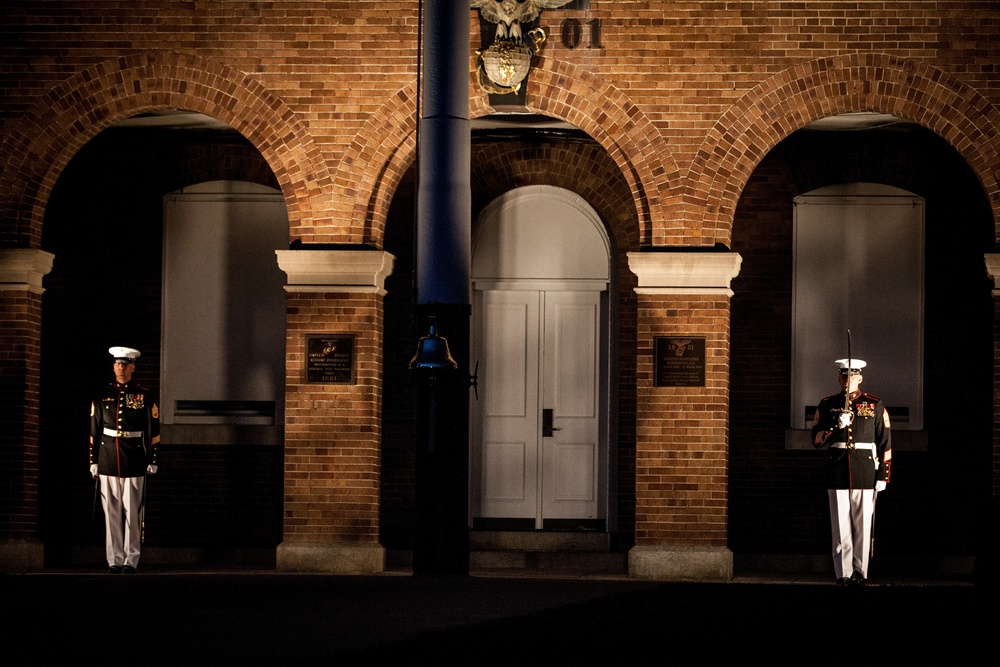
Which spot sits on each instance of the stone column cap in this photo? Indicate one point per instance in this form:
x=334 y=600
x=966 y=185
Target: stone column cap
x=685 y=271
x=23 y=268
x=325 y=270
x=993 y=270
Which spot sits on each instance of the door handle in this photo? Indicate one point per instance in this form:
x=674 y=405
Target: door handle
x=547 y=428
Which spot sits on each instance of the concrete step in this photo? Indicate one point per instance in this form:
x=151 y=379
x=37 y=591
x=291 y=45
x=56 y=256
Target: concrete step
x=538 y=540
x=545 y=550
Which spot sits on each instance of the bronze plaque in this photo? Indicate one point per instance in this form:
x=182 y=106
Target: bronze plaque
x=330 y=359
x=679 y=361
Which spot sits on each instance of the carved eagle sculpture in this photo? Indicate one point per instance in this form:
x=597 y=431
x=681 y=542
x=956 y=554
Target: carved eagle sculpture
x=510 y=14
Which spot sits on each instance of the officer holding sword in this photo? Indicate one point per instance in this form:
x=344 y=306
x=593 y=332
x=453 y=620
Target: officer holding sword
x=854 y=426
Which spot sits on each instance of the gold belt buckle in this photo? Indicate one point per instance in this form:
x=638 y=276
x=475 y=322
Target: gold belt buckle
x=121 y=434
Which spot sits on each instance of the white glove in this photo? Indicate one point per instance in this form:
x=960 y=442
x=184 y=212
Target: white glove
x=880 y=486
x=93 y=470
x=151 y=469
x=845 y=419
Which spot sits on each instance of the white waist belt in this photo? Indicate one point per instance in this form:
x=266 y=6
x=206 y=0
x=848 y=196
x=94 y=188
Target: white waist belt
x=843 y=445
x=122 y=434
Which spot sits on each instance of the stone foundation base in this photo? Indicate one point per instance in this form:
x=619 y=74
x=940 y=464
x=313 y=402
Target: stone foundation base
x=671 y=563
x=330 y=557
x=21 y=555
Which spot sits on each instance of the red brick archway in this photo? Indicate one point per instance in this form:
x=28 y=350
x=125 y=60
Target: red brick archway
x=813 y=90
x=50 y=133
x=384 y=148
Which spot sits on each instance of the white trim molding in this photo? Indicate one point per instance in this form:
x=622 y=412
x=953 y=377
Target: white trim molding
x=680 y=272
x=993 y=270
x=336 y=270
x=23 y=269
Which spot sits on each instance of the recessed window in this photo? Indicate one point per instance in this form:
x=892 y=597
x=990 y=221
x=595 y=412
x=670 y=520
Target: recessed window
x=223 y=305
x=859 y=266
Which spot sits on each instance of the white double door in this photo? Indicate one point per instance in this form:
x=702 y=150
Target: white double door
x=537 y=426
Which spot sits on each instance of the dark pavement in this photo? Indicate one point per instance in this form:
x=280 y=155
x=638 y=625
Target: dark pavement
x=267 y=618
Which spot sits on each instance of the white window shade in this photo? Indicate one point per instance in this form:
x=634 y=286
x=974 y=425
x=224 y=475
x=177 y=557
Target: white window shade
x=223 y=305
x=859 y=266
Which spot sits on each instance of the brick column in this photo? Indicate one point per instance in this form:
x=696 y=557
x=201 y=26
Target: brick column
x=993 y=269
x=21 y=272
x=333 y=430
x=990 y=568
x=682 y=427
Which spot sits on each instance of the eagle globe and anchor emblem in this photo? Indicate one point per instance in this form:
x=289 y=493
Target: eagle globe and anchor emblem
x=504 y=64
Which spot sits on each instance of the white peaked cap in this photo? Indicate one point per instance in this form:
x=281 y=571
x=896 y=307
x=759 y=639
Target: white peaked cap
x=855 y=364
x=124 y=353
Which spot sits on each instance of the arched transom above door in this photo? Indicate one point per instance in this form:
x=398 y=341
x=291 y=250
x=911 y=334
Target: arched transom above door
x=540 y=232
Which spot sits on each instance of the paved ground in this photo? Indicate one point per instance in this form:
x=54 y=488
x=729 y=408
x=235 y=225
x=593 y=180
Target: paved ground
x=267 y=618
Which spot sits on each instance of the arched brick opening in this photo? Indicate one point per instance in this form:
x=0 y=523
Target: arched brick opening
x=43 y=141
x=500 y=164
x=499 y=167
x=564 y=91
x=813 y=90
x=384 y=148
x=582 y=167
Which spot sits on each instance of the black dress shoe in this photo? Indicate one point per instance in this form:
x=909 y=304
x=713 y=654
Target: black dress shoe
x=115 y=569
x=128 y=569
x=858 y=580
x=843 y=581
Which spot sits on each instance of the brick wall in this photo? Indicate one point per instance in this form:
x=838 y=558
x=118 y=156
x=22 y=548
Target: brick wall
x=682 y=450
x=686 y=97
x=333 y=431
x=21 y=312
x=991 y=560
x=683 y=103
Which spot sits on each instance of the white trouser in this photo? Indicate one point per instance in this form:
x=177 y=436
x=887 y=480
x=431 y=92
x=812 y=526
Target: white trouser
x=851 y=520
x=122 y=498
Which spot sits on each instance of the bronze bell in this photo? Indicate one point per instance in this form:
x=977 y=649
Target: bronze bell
x=432 y=352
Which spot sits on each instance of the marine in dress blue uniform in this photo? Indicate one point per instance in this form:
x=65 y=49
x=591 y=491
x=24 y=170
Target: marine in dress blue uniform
x=854 y=426
x=124 y=436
